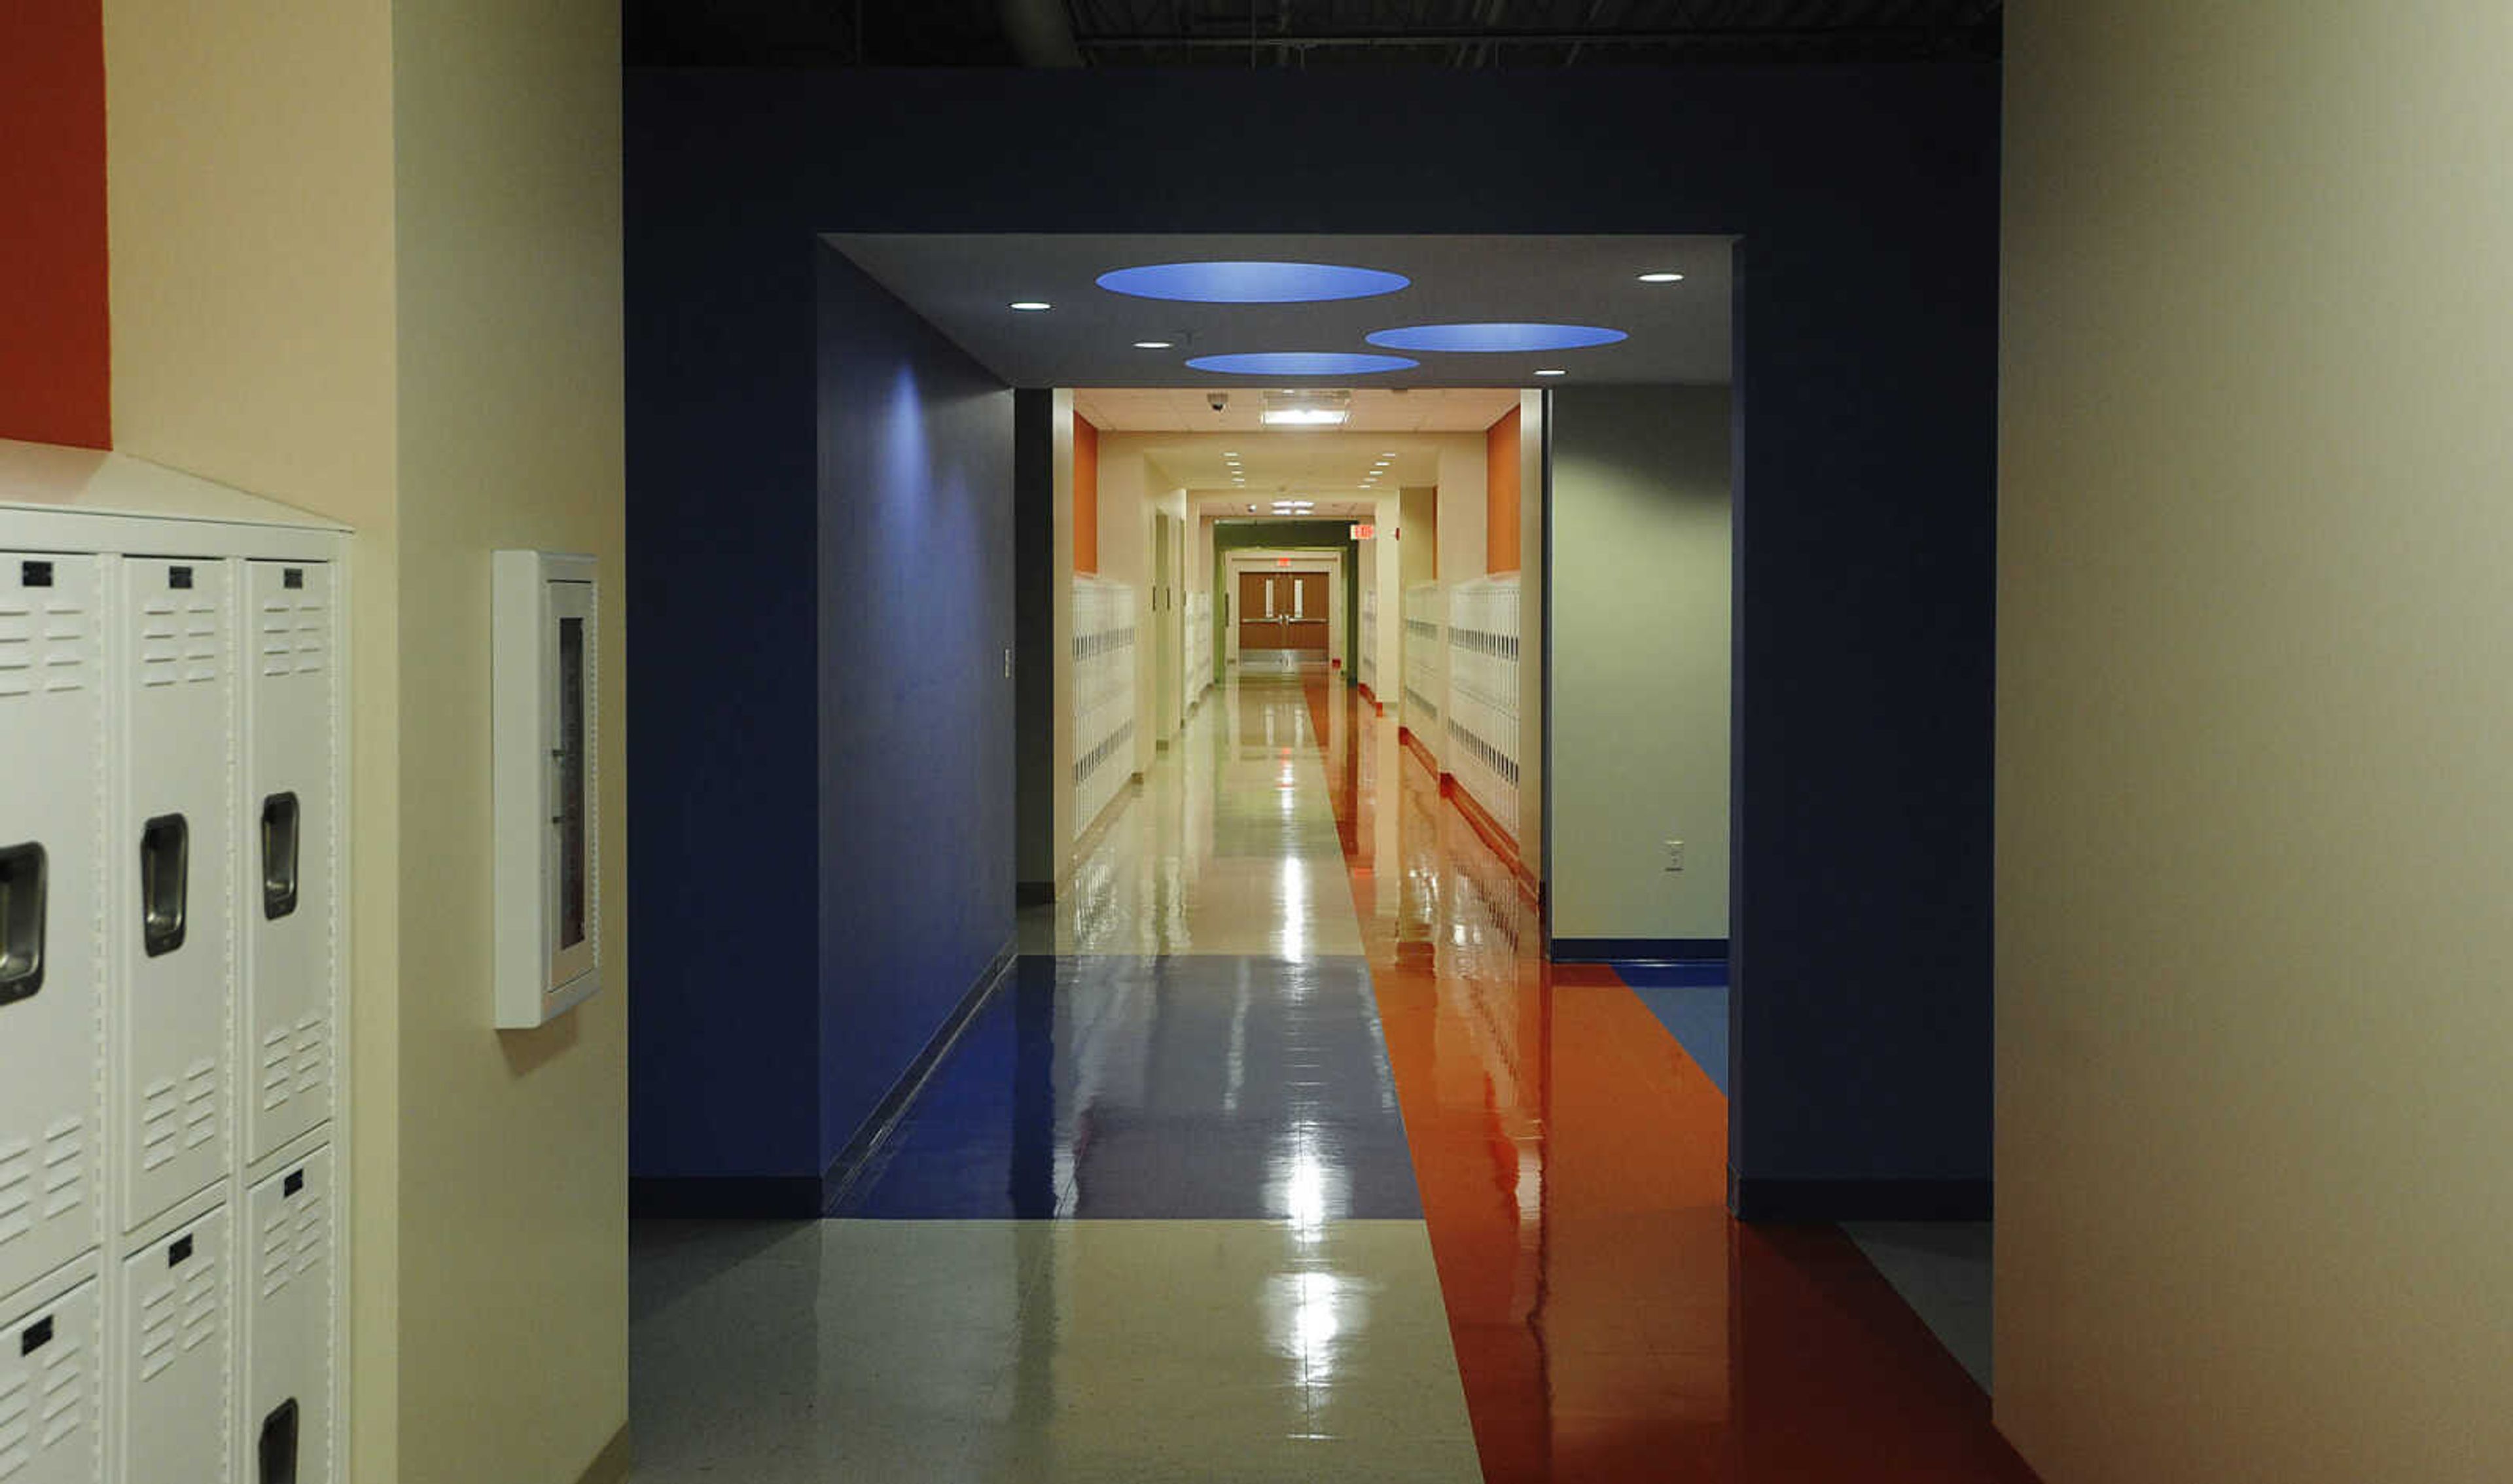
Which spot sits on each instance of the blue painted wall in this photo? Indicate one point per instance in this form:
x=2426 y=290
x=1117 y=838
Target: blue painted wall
x=916 y=712
x=1867 y=320
x=820 y=582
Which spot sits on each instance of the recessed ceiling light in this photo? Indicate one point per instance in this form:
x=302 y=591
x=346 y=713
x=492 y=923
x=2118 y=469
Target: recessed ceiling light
x=1661 y=278
x=1495 y=336
x=1154 y=344
x=1553 y=373
x=1031 y=305
x=1301 y=363
x=1251 y=283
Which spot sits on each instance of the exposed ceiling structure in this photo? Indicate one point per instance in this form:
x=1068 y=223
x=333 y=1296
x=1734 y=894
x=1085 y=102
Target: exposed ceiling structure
x=1084 y=335
x=1302 y=33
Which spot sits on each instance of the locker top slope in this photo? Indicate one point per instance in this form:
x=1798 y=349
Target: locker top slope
x=90 y=482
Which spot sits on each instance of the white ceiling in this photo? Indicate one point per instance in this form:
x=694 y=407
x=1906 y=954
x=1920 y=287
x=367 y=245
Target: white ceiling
x=1374 y=410
x=964 y=284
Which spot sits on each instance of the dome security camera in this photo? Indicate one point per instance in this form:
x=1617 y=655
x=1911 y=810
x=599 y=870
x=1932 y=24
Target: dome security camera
x=1218 y=401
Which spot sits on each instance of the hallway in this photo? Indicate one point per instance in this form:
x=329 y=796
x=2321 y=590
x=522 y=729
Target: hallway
x=1282 y=1154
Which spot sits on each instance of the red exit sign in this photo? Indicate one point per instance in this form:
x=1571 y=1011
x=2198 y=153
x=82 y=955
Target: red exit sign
x=1365 y=533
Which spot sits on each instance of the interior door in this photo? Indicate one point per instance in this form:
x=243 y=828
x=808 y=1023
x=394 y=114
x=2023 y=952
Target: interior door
x=1263 y=598
x=1306 y=626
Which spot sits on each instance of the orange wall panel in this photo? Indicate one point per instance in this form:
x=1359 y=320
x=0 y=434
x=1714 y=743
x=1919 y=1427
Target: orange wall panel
x=1086 y=495
x=56 y=348
x=1501 y=495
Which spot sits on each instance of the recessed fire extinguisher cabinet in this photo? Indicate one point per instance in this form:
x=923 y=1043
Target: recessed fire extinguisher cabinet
x=173 y=849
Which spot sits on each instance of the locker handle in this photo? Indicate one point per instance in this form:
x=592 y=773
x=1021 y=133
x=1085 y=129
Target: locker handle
x=279 y=818
x=278 y=1451
x=22 y=869
x=35 y=1337
x=165 y=869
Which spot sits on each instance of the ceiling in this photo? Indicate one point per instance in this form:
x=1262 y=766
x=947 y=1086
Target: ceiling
x=964 y=284
x=1374 y=410
x=1227 y=461
x=1302 y=33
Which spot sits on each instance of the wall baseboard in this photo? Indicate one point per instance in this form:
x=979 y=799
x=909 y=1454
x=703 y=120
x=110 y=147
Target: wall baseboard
x=886 y=1116
x=1644 y=950
x=804 y=1197
x=1859 y=1200
x=611 y=1465
x=793 y=1197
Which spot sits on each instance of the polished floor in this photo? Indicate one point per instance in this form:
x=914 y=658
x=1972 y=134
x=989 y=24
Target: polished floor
x=1285 y=1156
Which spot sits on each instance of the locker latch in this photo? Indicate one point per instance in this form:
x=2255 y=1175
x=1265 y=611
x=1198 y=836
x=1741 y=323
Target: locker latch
x=35 y=1337
x=278 y=855
x=165 y=867
x=21 y=922
x=278 y=1452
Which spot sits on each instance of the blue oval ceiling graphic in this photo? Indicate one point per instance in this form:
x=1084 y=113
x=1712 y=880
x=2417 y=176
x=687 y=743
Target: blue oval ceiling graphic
x=1497 y=337
x=1251 y=283
x=1302 y=363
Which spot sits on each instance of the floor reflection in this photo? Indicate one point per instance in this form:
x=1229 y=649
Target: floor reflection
x=1610 y=1320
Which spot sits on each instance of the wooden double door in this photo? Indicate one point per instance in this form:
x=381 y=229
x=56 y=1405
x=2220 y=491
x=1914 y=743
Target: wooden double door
x=1282 y=611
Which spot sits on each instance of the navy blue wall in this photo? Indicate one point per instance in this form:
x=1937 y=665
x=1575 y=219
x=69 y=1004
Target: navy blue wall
x=916 y=712
x=723 y=707
x=1867 y=311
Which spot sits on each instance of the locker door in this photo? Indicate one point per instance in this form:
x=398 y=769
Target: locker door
x=48 y=1390
x=288 y=905
x=172 y=920
x=286 y=1430
x=170 y=1358
x=52 y=979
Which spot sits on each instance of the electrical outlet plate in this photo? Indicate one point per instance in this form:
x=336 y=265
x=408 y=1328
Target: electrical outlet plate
x=1675 y=855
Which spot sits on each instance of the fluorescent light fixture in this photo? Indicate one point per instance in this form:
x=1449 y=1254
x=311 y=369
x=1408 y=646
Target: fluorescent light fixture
x=1031 y=305
x=1304 y=416
x=1301 y=363
x=1553 y=373
x=1251 y=283
x=1153 y=344
x=1661 y=278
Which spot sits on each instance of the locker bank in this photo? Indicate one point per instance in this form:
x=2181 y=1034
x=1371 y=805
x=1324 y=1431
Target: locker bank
x=172 y=687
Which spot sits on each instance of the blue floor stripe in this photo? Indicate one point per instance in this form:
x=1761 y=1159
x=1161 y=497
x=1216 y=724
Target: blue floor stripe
x=1690 y=1001
x=1208 y=1087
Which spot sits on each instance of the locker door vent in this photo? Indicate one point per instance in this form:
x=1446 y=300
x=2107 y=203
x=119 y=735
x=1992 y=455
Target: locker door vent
x=279 y=816
x=21 y=922
x=165 y=869
x=17 y=1189
x=278 y=1458
x=64 y=1166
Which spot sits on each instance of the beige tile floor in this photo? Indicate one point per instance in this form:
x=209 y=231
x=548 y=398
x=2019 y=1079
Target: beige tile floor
x=1228 y=847
x=1081 y=1351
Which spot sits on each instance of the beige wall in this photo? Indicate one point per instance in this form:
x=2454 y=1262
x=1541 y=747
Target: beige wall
x=251 y=221
x=1532 y=685
x=1641 y=683
x=514 y=1145
x=1417 y=545
x=2254 y=784
x=368 y=264
x=1464 y=473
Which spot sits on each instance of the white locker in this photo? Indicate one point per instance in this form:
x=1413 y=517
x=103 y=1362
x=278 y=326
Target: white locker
x=177 y=688
x=170 y=1358
x=52 y=971
x=49 y=1388
x=286 y=1283
x=289 y=898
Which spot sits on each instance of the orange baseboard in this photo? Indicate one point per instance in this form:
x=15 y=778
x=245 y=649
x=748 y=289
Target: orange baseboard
x=1421 y=753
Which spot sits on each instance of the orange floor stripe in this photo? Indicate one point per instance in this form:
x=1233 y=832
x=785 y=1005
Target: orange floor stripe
x=1611 y=1321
